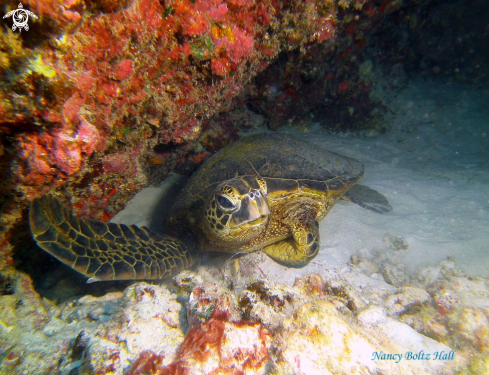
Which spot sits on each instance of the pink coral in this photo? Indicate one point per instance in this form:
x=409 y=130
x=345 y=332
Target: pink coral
x=242 y=46
x=88 y=137
x=66 y=154
x=218 y=14
x=237 y=44
x=72 y=106
x=122 y=163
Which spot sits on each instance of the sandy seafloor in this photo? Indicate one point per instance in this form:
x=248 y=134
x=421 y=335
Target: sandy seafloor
x=432 y=165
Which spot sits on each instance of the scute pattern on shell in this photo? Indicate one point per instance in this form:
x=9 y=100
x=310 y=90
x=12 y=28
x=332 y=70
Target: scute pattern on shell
x=285 y=158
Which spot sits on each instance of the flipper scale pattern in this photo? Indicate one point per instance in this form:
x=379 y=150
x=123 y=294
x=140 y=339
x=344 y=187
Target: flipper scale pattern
x=106 y=251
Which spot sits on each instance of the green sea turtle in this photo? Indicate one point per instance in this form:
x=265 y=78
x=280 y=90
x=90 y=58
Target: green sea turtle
x=266 y=192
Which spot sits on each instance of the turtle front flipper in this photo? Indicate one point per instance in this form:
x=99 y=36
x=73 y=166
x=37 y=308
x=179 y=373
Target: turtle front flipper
x=105 y=251
x=298 y=250
x=368 y=198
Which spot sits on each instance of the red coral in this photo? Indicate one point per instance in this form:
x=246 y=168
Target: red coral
x=186 y=14
x=36 y=169
x=325 y=29
x=211 y=346
x=196 y=24
x=221 y=66
x=123 y=70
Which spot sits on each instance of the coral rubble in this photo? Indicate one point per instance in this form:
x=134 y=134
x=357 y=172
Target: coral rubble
x=321 y=325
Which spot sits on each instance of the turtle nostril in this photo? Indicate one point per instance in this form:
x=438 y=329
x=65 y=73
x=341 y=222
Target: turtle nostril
x=254 y=194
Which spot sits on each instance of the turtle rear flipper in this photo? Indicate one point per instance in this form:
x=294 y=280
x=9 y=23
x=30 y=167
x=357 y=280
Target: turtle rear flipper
x=368 y=198
x=105 y=251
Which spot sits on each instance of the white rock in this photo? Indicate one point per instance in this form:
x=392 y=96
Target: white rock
x=372 y=316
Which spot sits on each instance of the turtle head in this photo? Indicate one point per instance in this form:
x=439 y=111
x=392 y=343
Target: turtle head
x=236 y=211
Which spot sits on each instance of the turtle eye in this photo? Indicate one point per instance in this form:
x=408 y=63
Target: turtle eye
x=224 y=202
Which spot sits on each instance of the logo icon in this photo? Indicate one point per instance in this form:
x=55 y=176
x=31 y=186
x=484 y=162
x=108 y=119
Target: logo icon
x=20 y=17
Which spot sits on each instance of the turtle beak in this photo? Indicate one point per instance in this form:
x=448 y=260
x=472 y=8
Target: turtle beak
x=254 y=209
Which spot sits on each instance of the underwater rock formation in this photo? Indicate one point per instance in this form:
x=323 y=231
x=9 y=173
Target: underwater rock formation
x=347 y=323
